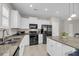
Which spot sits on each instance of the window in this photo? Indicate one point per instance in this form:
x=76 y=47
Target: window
x=5 y=21
x=5 y=16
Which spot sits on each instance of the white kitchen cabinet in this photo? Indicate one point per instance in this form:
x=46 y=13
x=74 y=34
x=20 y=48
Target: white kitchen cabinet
x=40 y=38
x=25 y=23
x=0 y=14
x=24 y=43
x=55 y=48
x=15 y=19
x=58 y=50
x=67 y=50
x=21 y=50
x=33 y=20
x=51 y=47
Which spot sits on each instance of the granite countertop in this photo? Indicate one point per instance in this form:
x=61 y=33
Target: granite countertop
x=11 y=48
x=14 y=35
x=70 y=41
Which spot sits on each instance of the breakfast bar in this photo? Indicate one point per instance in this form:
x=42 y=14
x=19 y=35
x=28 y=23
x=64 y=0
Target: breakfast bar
x=62 y=46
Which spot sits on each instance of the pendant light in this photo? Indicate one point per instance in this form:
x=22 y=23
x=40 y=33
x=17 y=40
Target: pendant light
x=73 y=15
x=69 y=19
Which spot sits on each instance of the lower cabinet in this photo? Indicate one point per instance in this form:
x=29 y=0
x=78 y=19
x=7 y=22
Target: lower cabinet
x=67 y=50
x=58 y=51
x=50 y=46
x=55 y=48
x=21 y=50
x=24 y=43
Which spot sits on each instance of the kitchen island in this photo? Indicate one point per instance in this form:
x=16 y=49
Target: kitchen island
x=9 y=49
x=57 y=46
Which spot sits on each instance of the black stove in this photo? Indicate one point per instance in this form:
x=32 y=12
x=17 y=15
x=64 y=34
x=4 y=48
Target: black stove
x=33 y=35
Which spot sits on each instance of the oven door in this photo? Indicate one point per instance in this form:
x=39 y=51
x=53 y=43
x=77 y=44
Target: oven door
x=33 y=39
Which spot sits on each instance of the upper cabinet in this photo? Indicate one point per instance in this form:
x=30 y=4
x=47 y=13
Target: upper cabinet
x=15 y=19
x=0 y=15
x=25 y=23
x=5 y=16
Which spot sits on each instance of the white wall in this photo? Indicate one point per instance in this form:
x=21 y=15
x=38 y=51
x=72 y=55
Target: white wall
x=32 y=20
x=55 y=26
x=72 y=27
x=76 y=26
x=61 y=26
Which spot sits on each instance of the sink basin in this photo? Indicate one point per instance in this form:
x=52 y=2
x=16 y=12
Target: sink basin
x=7 y=42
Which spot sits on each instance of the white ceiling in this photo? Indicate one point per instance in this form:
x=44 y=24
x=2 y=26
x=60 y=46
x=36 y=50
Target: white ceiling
x=60 y=10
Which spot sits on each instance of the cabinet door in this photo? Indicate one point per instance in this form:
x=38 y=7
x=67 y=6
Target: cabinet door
x=25 y=41
x=50 y=51
x=54 y=47
x=67 y=49
x=19 y=20
x=0 y=14
x=15 y=19
x=21 y=50
x=59 y=49
x=51 y=47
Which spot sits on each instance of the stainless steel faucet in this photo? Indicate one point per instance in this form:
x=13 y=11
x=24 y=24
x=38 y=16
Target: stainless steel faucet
x=4 y=30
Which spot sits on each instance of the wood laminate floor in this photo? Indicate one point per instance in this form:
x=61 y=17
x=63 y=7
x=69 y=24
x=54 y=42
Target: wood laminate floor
x=36 y=50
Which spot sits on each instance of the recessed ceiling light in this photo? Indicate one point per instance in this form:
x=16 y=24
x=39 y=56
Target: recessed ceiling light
x=30 y=5
x=46 y=9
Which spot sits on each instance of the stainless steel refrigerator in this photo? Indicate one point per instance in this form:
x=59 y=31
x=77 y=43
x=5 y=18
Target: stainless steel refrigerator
x=46 y=30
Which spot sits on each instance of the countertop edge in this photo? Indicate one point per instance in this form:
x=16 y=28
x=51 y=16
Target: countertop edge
x=63 y=43
x=14 y=46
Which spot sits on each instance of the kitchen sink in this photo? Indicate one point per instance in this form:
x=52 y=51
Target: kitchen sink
x=10 y=41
